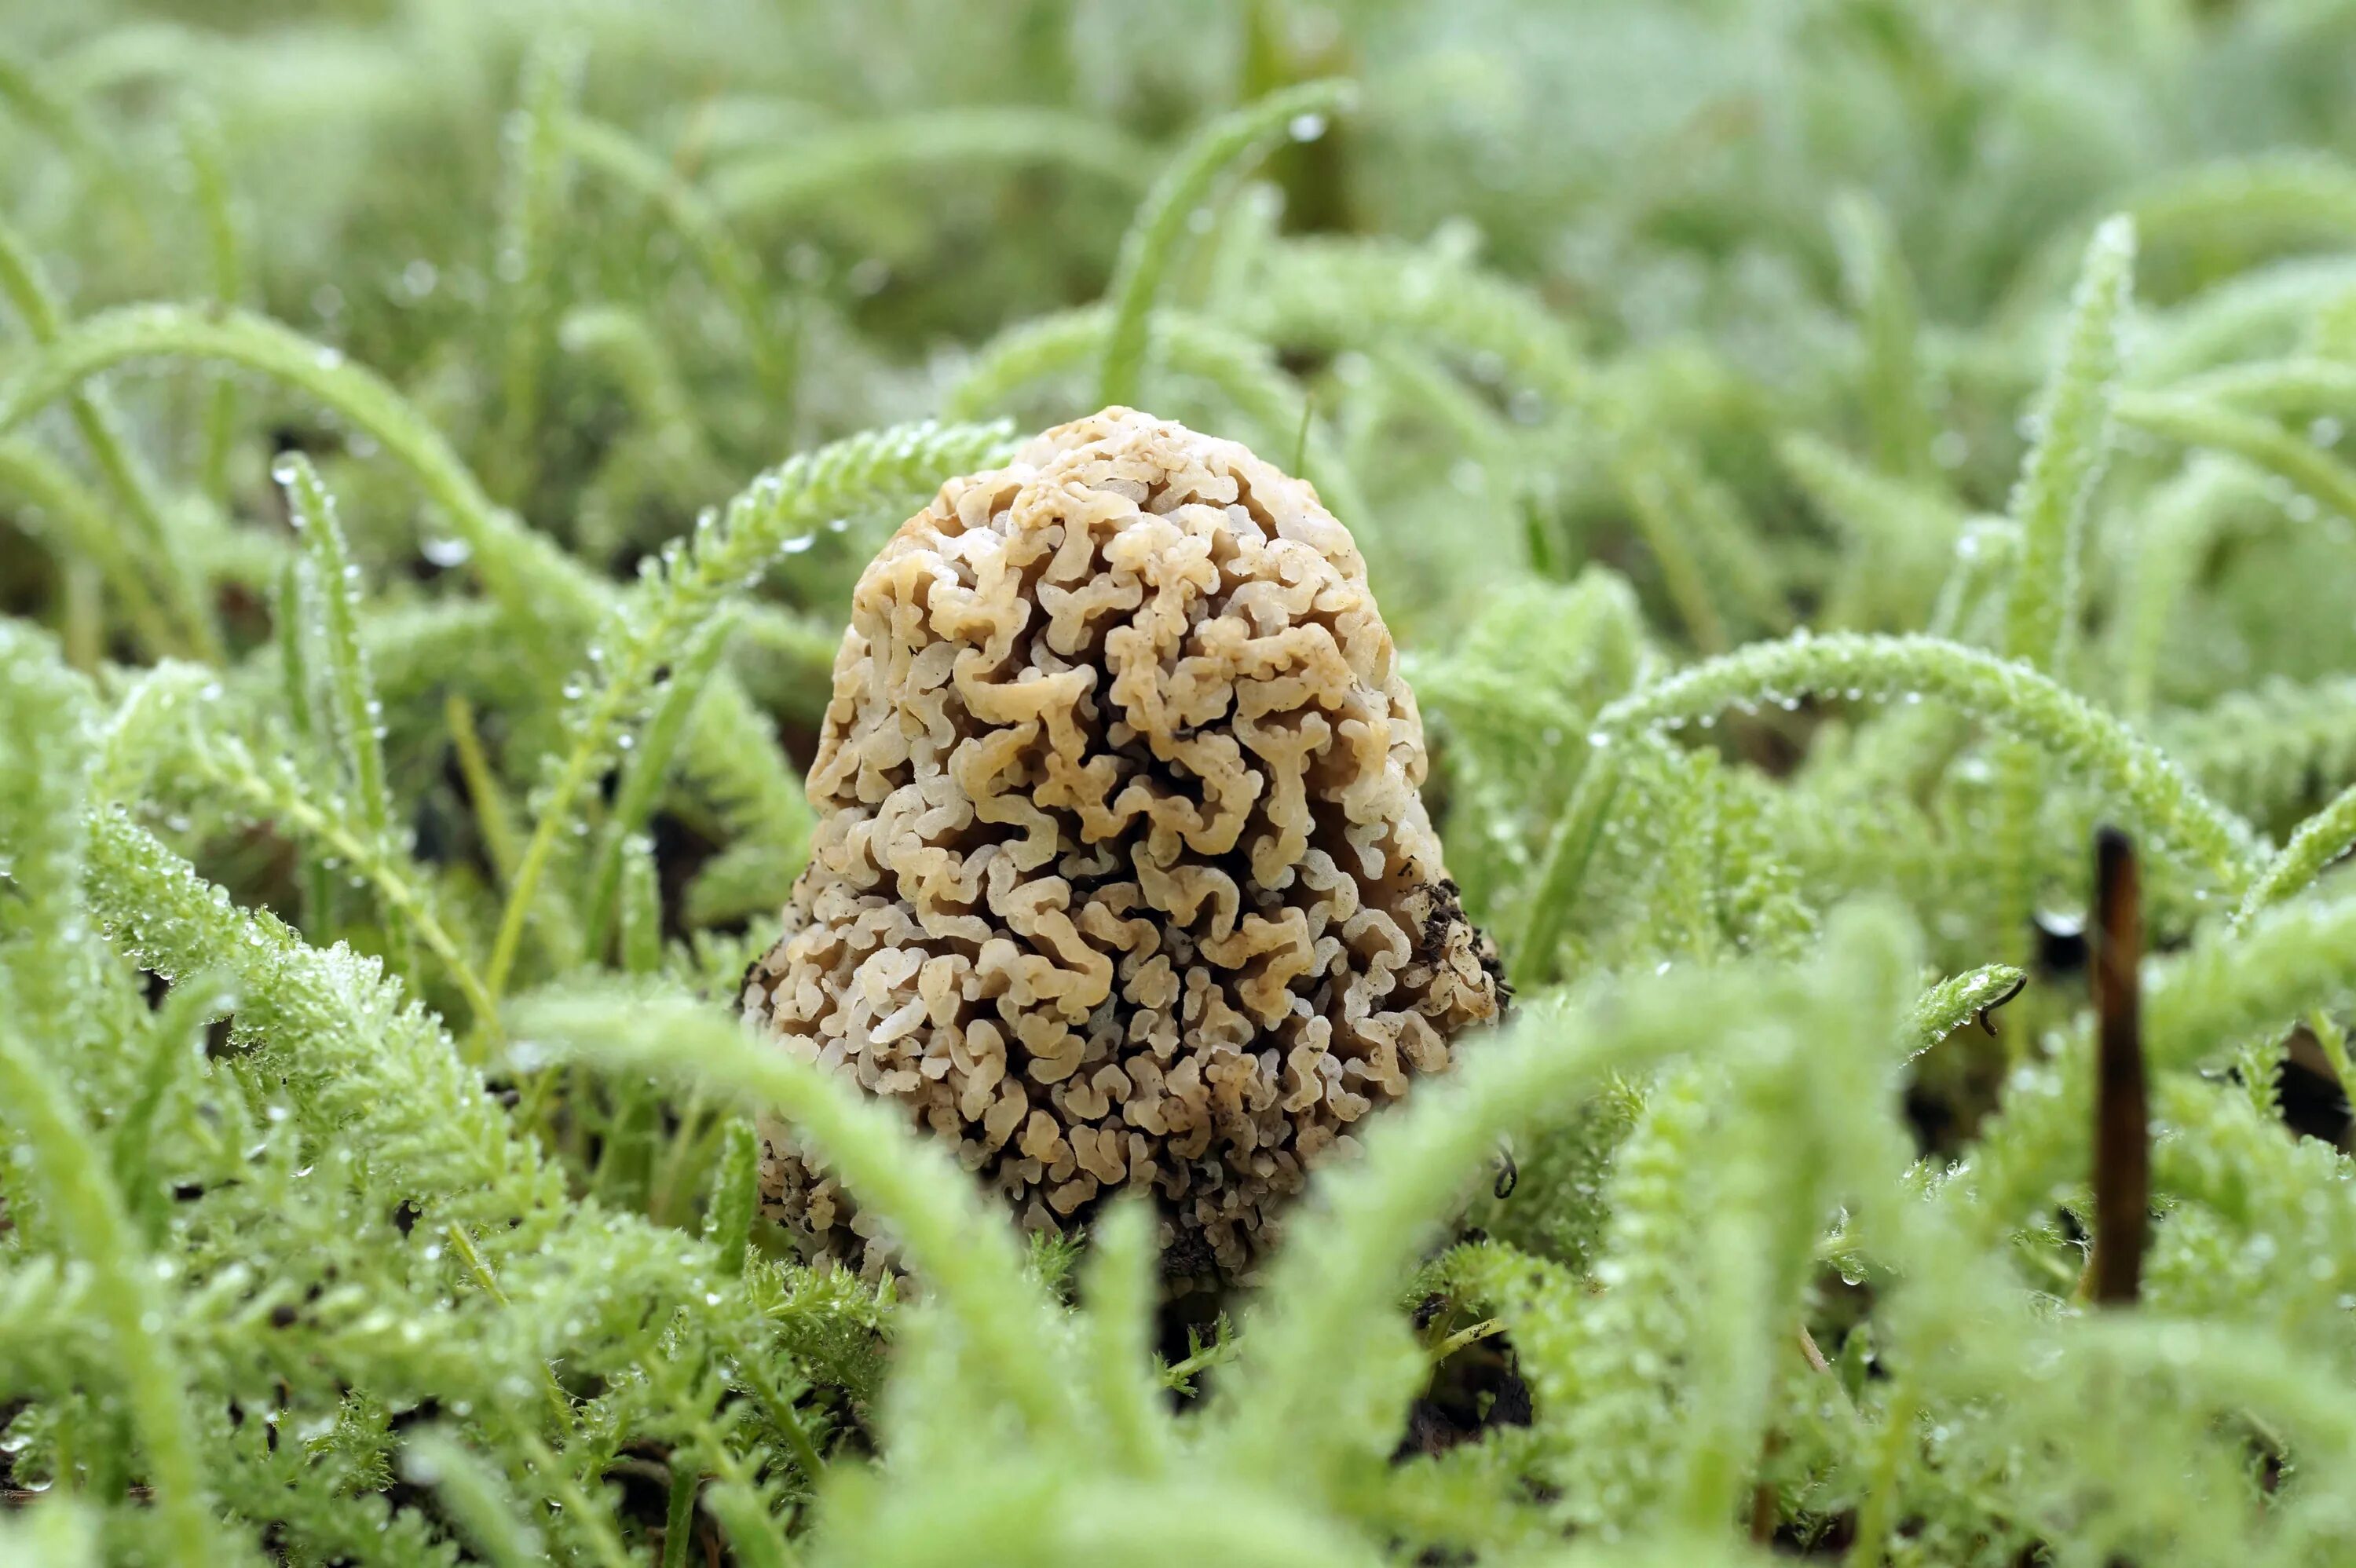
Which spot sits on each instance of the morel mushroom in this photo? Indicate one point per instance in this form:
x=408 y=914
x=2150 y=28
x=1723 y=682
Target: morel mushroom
x=1120 y=875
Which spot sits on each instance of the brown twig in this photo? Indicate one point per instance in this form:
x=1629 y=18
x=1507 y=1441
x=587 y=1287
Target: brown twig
x=2122 y=1107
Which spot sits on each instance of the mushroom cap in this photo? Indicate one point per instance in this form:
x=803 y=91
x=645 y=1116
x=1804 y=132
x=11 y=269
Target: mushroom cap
x=1120 y=875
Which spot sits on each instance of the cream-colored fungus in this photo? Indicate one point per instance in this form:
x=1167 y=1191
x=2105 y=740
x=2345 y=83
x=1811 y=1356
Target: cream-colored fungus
x=1120 y=875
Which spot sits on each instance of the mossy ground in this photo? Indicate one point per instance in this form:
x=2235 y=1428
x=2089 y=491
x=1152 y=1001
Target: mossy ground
x=1819 y=461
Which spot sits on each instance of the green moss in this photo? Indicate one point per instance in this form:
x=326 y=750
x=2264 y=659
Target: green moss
x=436 y=444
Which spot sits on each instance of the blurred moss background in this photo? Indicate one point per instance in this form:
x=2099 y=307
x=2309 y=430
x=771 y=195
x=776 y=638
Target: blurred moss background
x=905 y=179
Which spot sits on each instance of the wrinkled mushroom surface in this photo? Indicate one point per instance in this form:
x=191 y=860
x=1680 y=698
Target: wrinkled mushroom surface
x=1120 y=875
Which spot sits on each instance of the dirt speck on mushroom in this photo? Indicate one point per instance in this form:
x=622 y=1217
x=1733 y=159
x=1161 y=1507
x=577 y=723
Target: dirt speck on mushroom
x=1121 y=877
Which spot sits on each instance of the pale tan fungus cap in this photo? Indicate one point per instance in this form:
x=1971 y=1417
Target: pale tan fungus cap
x=1120 y=875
